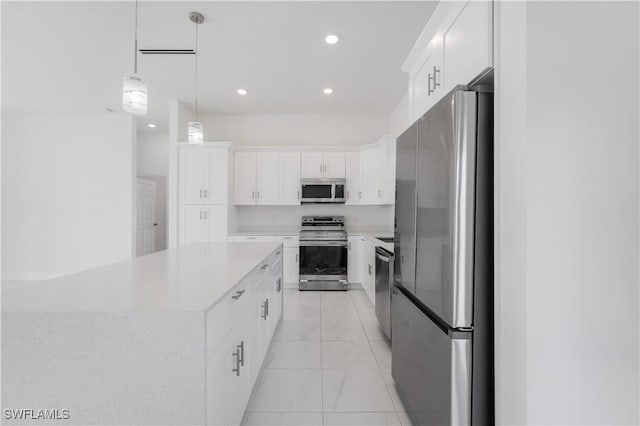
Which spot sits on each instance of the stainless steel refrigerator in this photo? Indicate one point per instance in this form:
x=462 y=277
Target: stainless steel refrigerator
x=442 y=303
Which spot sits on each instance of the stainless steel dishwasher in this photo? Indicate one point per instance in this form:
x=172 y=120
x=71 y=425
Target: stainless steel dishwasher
x=384 y=287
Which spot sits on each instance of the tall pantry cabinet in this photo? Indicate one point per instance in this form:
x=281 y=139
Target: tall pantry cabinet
x=203 y=182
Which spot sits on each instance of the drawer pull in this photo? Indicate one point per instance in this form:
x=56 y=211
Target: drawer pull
x=263 y=267
x=265 y=309
x=238 y=294
x=278 y=253
x=279 y=285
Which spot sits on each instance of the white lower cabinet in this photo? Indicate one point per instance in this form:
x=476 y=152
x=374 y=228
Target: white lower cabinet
x=254 y=307
x=202 y=223
x=369 y=281
x=355 y=266
x=218 y=369
x=291 y=268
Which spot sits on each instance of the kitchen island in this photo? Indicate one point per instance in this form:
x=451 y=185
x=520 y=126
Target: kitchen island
x=175 y=337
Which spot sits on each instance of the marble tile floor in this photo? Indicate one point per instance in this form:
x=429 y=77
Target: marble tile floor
x=329 y=364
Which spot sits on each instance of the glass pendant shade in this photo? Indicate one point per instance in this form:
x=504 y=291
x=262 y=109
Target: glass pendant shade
x=134 y=95
x=195 y=130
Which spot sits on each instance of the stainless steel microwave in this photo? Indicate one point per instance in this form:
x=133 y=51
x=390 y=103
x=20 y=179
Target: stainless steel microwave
x=322 y=191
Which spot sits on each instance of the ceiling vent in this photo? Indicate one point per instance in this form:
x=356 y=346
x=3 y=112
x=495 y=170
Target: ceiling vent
x=167 y=51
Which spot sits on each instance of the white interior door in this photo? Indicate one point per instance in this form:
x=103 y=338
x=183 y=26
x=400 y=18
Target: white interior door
x=146 y=222
x=267 y=178
x=289 y=178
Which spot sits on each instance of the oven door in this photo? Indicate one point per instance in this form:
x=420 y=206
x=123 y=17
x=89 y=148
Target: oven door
x=323 y=260
x=317 y=193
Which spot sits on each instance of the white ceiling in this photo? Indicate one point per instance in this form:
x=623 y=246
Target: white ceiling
x=72 y=56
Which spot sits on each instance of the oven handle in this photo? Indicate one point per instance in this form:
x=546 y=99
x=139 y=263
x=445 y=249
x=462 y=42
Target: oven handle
x=323 y=243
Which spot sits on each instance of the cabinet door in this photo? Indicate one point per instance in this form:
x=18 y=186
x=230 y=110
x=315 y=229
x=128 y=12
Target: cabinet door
x=289 y=178
x=216 y=218
x=380 y=178
x=193 y=225
x=291 y=267
x=239 y=349
x=312 y=164
x=267 y=178
x=427 y=81
x=218 y=375
x=216 y=176
x=468 y=45
x=354 y=261
x=193 y=162
x=244 y=181
x=353 y=178
x=368 y=172
x=334 y=165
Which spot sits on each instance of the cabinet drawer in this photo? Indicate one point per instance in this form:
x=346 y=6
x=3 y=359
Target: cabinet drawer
x=220 y=318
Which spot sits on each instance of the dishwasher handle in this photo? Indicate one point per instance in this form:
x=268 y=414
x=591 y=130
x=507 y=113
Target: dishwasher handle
x=384 y=255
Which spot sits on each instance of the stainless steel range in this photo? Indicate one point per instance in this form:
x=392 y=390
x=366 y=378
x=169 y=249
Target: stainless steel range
x=323 y=253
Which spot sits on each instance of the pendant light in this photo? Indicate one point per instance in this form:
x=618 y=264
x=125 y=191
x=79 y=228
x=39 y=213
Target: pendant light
x=195 y=129
x=134 y=91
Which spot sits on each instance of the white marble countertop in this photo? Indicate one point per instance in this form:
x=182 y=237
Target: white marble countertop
x=190 y=278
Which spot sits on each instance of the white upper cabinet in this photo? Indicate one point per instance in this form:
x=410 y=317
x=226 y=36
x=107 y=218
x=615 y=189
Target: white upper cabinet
x=352 y=190
x=312 y=164
x=468 y=44
x=217 y=176
x=192 y=175
x=289 y=178
x=203 y=175
x=334 y=165
x=244 y=178
x=455 y=47
x=267 y=178
x=323 y=165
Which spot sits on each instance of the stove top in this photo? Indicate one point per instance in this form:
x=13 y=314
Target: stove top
x=323 y=228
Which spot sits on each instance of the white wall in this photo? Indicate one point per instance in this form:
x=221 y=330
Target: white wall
x=400 y=118
x=295 y=129
x=153 y=153
x=67 y=187
x=288 y=217
x=568 y=210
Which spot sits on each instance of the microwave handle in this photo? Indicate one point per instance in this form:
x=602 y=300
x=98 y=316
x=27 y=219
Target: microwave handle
x=333 y=191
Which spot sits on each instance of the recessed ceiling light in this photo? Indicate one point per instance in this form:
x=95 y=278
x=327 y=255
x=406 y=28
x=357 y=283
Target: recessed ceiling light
x=331 y=39
x=242 y=92
x=328 y=91
x=153 y=126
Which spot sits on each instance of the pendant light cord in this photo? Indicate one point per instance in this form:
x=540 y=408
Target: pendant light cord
x=135 y=45
x=197 y=54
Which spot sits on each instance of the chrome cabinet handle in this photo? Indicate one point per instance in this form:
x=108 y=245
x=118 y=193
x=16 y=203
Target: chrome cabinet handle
x=253 y=195
x=200 y=214
x=347 y=195
x=298 y=195
x=278 y=253
x=265 y=309
x=279 y=285
x=379 y=193
x=436 y=83
x=201 y=193
x=241 y=347
x=370 y=268
x=236 y=354
x=205 y=214
x=238 y=294
x=205 y=193
x=258 y=195
x=320 y=168
x=296 y=257
x=263 y=267
x=359 y=194
x=349 y=245
x=429 y=91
